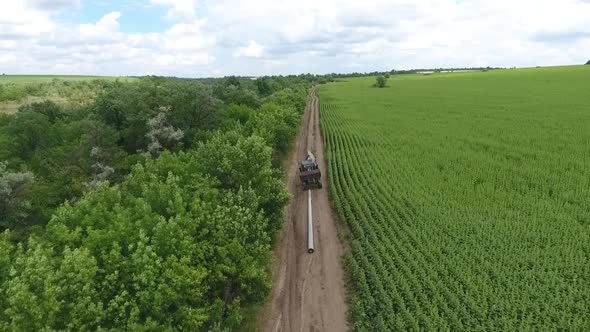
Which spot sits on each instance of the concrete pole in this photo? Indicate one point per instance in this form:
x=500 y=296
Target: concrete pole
x=310 y=247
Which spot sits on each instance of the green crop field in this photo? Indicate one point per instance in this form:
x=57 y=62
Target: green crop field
x=467 y=196
x=28 y=79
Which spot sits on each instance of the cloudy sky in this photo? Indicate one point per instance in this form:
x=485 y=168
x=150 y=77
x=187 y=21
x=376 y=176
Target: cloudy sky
x=196 y=38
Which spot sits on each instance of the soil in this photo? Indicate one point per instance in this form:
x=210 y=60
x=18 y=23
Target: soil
x=308 y=289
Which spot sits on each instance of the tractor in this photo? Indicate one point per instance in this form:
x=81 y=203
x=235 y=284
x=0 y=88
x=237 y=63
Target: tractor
x=309 y=173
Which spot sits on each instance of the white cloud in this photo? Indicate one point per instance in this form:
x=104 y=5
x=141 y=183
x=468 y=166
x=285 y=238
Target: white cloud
x=54 y=4
x=181 y=9
x=293 y=36
x=346 y=35
x=108 y=24
x=101 y=48
x=253 y=50
x=19 y=20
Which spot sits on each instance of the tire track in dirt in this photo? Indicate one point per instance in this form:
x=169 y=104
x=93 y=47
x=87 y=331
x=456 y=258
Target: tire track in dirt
x=309 y=292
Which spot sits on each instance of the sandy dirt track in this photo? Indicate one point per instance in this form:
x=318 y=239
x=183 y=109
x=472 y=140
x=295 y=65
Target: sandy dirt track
x=308 y=289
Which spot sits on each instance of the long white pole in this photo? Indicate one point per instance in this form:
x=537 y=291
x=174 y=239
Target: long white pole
x=310 y=247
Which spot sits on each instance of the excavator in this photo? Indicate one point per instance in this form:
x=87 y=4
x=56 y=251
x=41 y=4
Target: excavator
x=309 y=173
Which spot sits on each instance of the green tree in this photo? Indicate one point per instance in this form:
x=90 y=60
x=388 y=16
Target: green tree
x=31 y=291
x=381 y=81
x=232 y=94
x=181 y=242
x=48 y=108
x=239 y=163
x=127 y=107
x=184 y=241
x=29 y=131
x=45 y=291
x=276 y=124
x=239 y=113
x=6 y=256
x=194 y=110
x=264 y=86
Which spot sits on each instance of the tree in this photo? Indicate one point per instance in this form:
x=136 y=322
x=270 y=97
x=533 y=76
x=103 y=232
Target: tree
x=195 y=110
x=182 y=243
x=179 y=242
x=14 y=205
x=101 y=171
x=588 y=63
x=244 y=162
x=50 y=109
x=276 y=124
x=30 y=131
x=161 y=135
x=381 y=81
x=126 y=108
x=239 y=113
x=232 y=94
x=232 y=80
x=264 y=86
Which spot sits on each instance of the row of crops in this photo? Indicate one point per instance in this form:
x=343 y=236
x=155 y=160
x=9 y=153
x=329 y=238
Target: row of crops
x=470 y=215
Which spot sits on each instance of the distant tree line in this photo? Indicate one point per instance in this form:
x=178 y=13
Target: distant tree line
x=152 y=207
x=332 y=76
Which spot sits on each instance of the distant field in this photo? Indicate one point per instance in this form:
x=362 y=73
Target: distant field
x=19 y=90
x=467 y=196
x=27 y=79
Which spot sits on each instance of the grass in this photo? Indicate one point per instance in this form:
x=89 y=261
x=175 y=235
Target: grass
x=19 y=90
x=468 y=198
x=10 y=107
x=29 y=79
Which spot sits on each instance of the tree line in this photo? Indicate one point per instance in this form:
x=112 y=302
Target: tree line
x=154 y=207
x=331 y=77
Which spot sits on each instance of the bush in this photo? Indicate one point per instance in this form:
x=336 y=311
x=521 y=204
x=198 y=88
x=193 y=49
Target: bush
x=381 y=81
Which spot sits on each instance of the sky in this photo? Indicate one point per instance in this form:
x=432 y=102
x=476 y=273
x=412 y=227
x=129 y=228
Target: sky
x=206 y=38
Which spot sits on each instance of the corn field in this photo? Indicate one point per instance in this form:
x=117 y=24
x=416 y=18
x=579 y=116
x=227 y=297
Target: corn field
x=466 y=197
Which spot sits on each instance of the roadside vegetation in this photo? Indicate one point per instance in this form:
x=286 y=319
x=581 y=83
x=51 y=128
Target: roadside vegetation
x=467 y=197
x=152 y=205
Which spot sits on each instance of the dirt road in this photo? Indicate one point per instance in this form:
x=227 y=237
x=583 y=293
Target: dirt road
x=308 y=293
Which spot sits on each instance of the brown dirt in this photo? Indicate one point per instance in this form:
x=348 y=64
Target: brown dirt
x=308 y=289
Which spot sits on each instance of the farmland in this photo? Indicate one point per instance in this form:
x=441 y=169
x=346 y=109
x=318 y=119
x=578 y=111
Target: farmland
x=467 y=196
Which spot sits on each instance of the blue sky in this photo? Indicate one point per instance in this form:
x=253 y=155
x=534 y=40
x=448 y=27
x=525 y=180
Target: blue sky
x=196 y=38
x=138 y=17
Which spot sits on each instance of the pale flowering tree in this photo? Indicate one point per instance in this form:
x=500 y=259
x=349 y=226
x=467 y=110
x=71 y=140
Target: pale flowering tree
x=162 y=136
x=101 y=171
x=14 y=205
